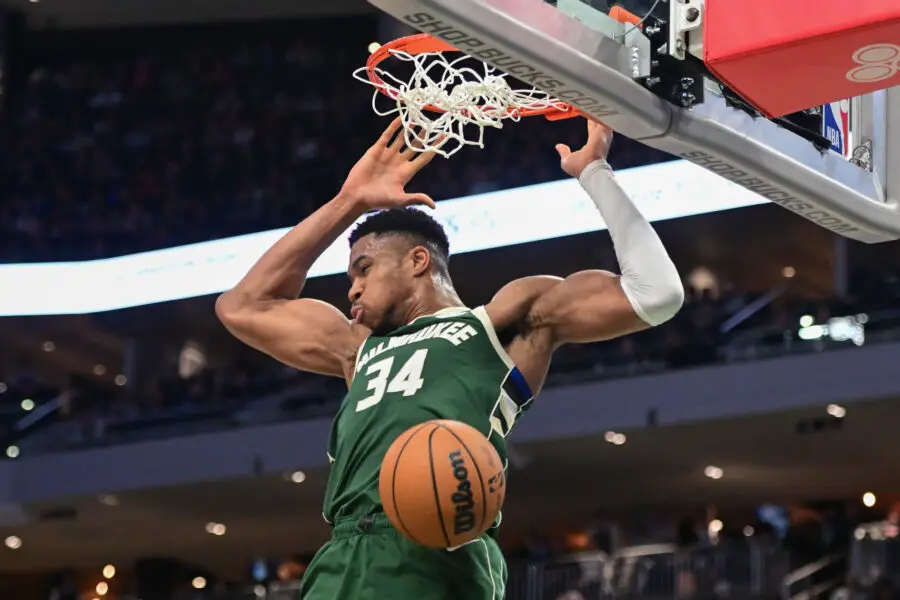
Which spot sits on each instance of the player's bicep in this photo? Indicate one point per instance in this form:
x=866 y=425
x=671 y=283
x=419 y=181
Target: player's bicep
x=587 y=306
x=307 y=334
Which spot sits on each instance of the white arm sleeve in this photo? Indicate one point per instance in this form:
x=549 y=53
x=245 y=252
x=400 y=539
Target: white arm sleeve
x=649 y=278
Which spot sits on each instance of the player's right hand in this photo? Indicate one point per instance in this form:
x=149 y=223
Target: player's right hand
x=379 y=179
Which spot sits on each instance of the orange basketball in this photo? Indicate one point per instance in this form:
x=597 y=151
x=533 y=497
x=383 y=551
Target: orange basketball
x=442 y=484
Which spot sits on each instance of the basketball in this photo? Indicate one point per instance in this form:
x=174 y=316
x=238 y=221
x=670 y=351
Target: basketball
x=442 y=484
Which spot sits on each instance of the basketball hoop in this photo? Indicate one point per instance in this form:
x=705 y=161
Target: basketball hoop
x=443 y=96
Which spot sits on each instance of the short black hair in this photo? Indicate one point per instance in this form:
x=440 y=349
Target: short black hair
x=411 y=222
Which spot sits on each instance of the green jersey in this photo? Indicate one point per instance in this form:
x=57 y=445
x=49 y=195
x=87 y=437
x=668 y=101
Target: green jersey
x=449 y=365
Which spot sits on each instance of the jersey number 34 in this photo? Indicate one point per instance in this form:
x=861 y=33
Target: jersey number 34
x=407 y=380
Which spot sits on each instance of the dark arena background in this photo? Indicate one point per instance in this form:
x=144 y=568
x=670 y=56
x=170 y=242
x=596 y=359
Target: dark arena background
x=746 y=449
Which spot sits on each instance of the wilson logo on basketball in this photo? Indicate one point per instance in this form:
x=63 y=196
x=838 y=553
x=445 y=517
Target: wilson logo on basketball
x=464 y=517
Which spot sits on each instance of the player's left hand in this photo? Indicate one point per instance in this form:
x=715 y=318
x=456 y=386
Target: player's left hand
x=597 y=148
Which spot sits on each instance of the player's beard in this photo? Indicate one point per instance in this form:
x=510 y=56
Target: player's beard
x=387 y=323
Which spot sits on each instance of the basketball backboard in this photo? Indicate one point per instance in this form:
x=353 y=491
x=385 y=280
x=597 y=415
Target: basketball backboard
x=585 y=65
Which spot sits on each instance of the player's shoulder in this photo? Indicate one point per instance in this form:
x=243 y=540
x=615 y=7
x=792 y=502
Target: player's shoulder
x=511 y=305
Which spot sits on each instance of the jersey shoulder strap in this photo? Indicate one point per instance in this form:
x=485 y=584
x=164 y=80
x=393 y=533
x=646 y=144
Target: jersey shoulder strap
x=359 y=352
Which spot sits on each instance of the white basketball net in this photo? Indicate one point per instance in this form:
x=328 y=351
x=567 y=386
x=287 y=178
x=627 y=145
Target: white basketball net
x=466 y=95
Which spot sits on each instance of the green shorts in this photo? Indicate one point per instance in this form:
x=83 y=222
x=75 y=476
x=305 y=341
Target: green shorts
x=367 y=559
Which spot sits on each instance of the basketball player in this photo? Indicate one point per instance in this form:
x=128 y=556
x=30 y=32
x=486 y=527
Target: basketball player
x=412 y=351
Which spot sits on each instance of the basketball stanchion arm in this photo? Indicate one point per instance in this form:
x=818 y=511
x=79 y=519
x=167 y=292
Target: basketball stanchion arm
x=534 y=42
x=891 y=135
x=885 y=137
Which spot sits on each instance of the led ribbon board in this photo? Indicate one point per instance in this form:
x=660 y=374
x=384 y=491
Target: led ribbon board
x=481 y=222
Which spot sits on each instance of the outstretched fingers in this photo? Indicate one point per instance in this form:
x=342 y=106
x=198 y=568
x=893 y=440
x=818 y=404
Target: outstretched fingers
x=415 y=159
x=422 y=158
x=412 y=138
x=389 y=134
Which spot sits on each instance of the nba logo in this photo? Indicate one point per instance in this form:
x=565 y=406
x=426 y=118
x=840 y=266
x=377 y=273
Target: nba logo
x=837 y=126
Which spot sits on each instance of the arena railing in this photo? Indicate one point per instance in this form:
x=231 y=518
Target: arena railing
x=815 y=580
x=42 y=415
x=755 y=307
x=730 y=571
x=875 y=554
x=805 y=337
x=658 y=571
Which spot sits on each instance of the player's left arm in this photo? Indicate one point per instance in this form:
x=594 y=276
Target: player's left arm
x=591 y=306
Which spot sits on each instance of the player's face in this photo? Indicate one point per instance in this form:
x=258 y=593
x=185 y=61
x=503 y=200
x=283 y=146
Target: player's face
x=382 y=280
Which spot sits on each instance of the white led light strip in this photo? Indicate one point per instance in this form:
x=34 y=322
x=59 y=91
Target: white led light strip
x=481 y=222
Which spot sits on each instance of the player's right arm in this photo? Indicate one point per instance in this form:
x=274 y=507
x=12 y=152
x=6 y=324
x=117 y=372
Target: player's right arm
x=263 y=310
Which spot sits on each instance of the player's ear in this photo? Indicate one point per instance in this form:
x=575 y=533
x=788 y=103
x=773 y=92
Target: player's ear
x=421 y=260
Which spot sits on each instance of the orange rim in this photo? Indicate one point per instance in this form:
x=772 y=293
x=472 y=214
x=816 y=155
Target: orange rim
x=422 y=43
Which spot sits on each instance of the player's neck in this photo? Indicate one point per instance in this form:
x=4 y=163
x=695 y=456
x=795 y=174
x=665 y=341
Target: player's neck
x=433 y=301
